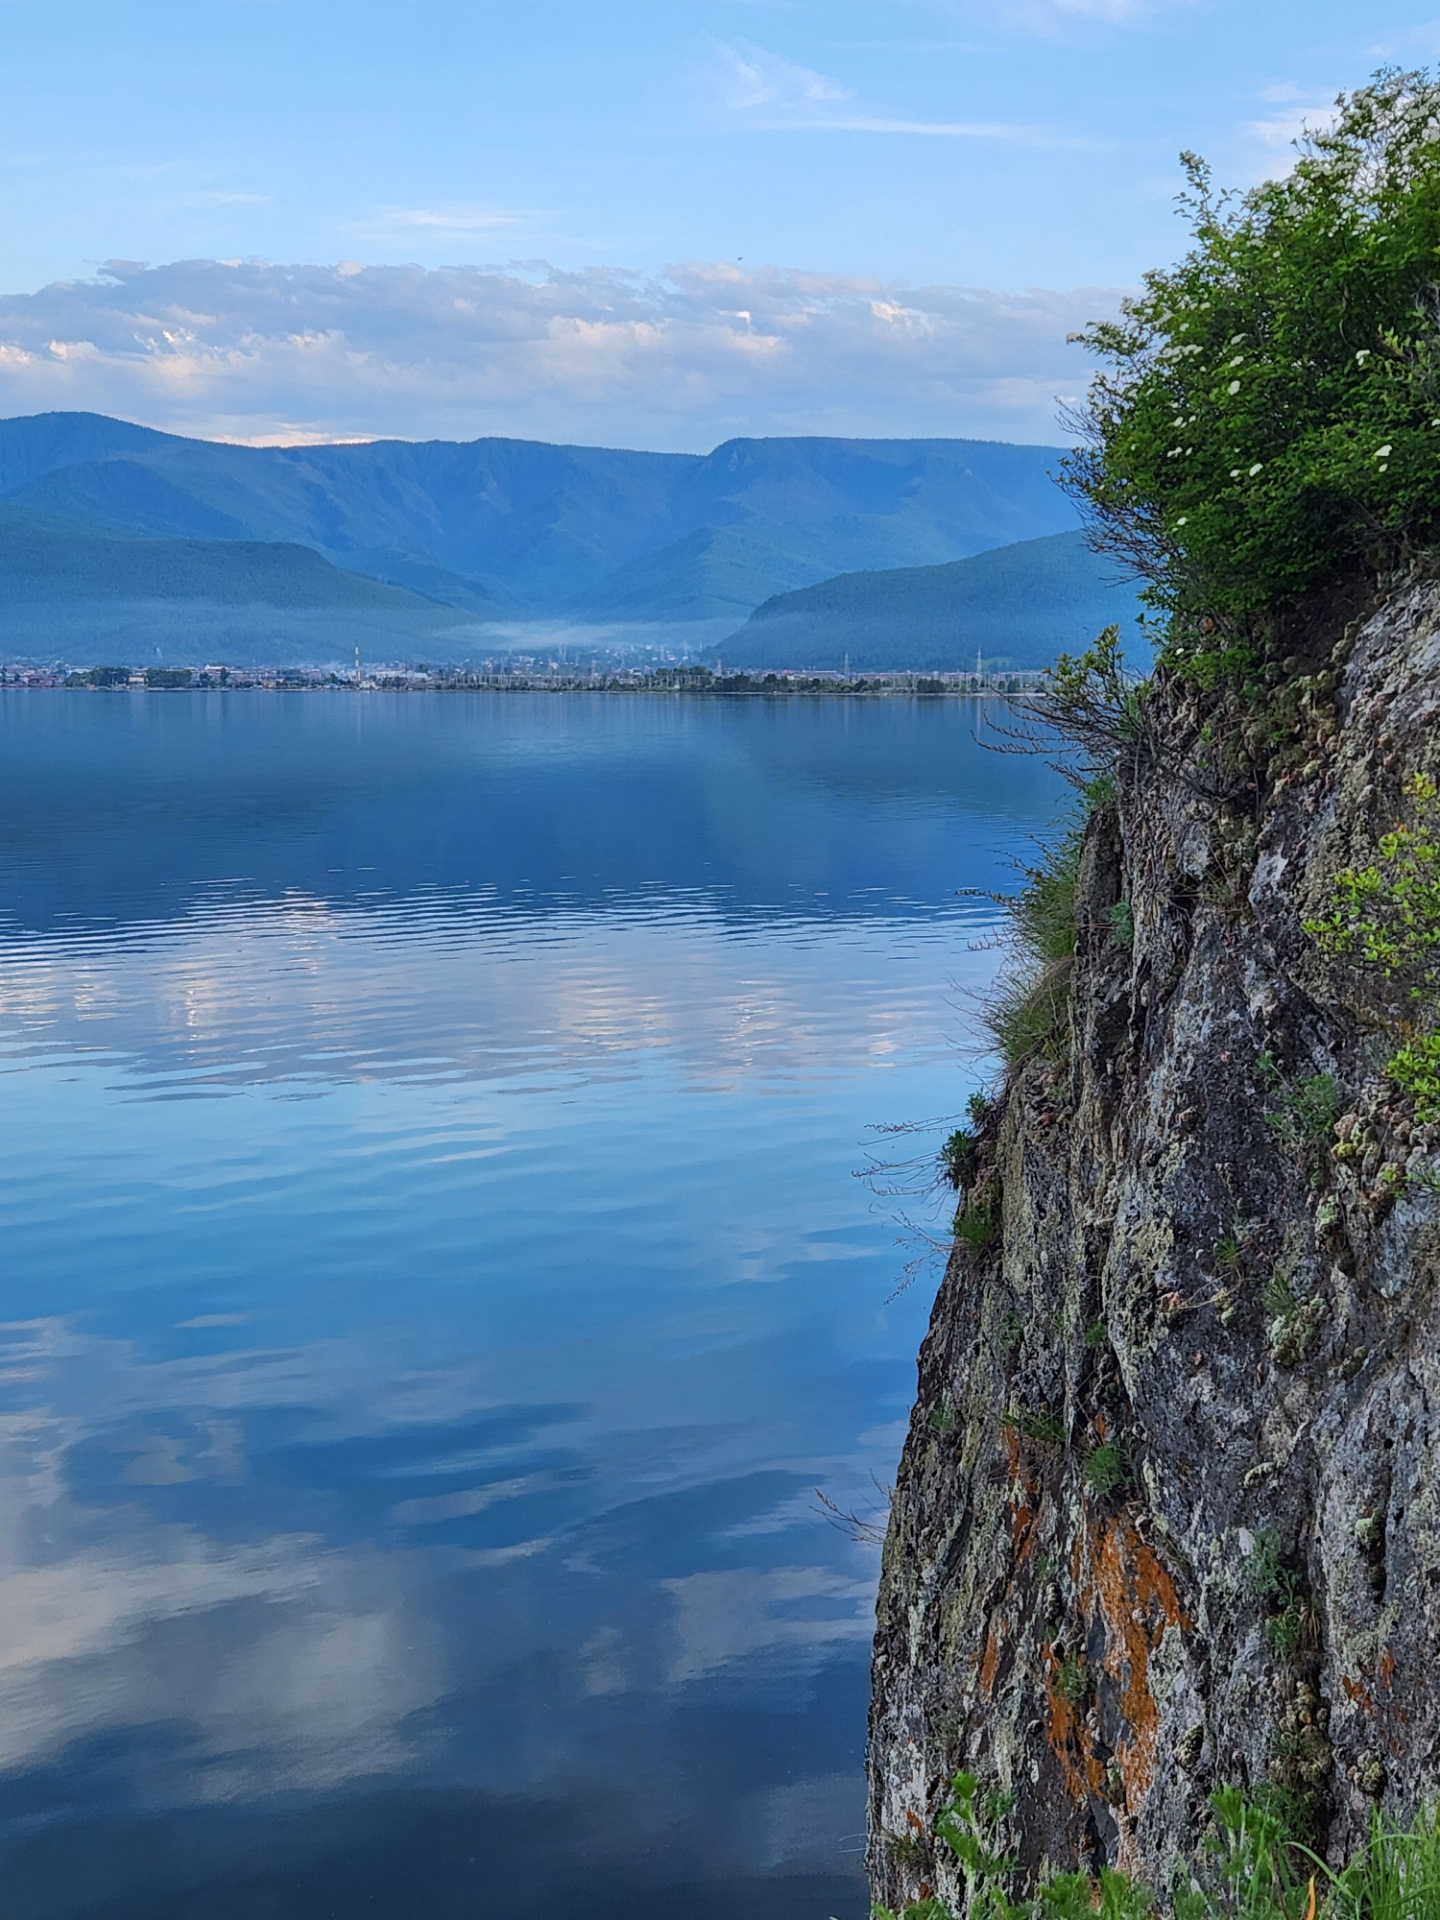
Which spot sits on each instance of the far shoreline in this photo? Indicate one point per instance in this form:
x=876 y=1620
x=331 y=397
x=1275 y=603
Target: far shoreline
x=670 y=681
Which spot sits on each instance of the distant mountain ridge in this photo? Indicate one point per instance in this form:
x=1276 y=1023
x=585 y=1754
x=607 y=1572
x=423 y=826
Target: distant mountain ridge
x=1016 y=606
x=122 y=540
x=525 y=528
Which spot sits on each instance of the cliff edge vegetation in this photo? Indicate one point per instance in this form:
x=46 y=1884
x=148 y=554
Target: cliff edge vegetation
x=1160 y=1602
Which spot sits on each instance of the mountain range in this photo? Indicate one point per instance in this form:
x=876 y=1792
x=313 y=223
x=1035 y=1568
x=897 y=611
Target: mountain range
x=1014 y=606
x=145 y=545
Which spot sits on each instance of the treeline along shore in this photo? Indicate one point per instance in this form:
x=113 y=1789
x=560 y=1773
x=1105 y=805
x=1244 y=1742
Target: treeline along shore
x=507 y=679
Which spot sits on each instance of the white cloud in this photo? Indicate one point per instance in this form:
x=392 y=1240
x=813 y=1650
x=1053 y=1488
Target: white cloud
x=775 y=95
x=1281 y=130
x=1276 y=134
x=253 y=351
x=1422 y=40
x=748 y=76
x=450 y=219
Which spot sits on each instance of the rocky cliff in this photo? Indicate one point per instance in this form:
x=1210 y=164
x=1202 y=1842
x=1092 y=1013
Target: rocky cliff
x=1168 y=1515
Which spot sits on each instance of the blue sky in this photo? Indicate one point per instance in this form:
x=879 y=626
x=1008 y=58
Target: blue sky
x=661 y=222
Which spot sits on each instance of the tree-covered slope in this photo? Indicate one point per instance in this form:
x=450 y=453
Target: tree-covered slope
x=524 y=525
x=1019 y=605
x=50 y=561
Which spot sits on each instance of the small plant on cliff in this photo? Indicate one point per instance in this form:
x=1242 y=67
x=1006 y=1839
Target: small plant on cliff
x=1263 y=1562
x=978 y=1225
x=1387 y=915
x=1395 y=1877
x=1269 y=417
x=1292 y=1623
x=1028 y=1009
x=1301 y=1113
x=1104 y=1469
x=1277 y=1297
x=959 y=1157
x=1045 y=1426
x=1072 y=1680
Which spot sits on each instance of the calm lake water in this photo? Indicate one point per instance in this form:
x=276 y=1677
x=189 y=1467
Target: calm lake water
x=435 y=1282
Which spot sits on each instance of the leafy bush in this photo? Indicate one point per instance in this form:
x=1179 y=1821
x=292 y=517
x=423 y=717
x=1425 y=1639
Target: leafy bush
x=1098 y=707
x=1388 y=916
x=1269 y=416
x=1415 y=1069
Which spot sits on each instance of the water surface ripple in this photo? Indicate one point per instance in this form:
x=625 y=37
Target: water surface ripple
x=436 y=1283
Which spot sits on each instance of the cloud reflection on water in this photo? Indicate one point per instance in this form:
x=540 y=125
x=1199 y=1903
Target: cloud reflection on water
x=407 y=1449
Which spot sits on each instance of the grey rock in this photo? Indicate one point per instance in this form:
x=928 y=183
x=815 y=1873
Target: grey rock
x=1259 y=1600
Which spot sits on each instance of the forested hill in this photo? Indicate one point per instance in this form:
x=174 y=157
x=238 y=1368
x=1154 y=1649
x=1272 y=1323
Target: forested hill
x=526 y=529
x=1017 y=605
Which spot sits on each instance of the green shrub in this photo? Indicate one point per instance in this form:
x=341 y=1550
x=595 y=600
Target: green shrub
x=1415 y=1069
x=1387 y=915
x=1269 y=416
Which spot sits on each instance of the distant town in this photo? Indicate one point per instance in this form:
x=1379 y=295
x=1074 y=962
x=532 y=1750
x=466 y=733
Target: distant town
x=517 y=676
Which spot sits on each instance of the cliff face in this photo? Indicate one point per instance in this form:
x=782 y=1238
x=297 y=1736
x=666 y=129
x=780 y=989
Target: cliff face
x=1168 y=1515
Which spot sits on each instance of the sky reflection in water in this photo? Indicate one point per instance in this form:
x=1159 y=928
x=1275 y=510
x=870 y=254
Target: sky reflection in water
x=436 y=1283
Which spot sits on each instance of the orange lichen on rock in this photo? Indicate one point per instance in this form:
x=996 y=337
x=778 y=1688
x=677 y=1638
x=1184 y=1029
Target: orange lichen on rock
x=1139 y=1603
x=1120 y=1578
x=1081 y=1769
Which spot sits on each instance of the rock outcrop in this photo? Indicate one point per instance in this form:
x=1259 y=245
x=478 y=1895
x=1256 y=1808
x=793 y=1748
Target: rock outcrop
x=1168 y=1515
